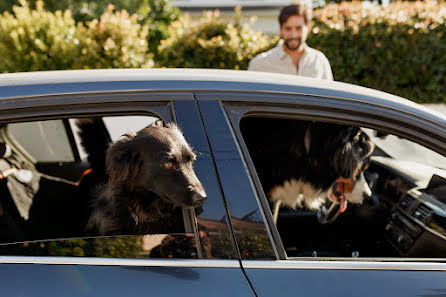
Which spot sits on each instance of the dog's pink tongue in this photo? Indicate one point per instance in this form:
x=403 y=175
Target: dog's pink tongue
x=343 y=204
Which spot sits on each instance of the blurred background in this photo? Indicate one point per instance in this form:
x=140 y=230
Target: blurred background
x=398 y=47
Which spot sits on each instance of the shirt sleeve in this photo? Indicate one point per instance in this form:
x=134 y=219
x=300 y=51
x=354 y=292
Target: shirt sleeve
x=327 y=74
x=254 y=65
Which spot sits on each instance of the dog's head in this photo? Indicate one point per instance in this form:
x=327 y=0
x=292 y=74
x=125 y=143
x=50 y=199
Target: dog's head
x=158 y=160
x=350 y=160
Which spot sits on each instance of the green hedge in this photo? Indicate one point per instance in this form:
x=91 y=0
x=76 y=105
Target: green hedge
x=38 y=40
x=156 y=14
x=116 y=40
x=41 y=40
x=212 y=42
x=400 y=49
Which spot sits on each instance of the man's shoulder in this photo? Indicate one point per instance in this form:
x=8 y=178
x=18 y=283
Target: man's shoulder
x=318 y=62
x=315 y=54
x=265 y=60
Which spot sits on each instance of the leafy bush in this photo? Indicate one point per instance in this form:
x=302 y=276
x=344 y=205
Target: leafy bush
x=399 y=49
x=37 y=39
x=83 y=10
x=41 y=40
x=212 y=42
x=157 y=14
x=115 y=41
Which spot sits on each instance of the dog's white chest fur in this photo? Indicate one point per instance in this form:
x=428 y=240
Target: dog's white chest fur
x=297 y=193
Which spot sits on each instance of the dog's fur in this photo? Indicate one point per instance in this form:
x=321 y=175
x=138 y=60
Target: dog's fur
x=142 y=191
x=299 y=163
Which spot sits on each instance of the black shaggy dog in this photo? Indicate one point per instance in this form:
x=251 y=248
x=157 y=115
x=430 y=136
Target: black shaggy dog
x=149 y=175
x=301 y=164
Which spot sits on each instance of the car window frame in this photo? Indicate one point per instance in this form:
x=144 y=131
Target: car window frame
x=158 y=104
x=396 y=121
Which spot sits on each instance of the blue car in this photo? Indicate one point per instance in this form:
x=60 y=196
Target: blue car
x=246 y=128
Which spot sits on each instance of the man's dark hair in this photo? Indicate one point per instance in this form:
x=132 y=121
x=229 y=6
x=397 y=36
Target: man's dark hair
x=299 y=9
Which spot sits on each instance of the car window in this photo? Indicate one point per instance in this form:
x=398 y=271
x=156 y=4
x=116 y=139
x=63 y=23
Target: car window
x=342 y=191
x=57 y=190
x=406 y=150
x=46 y=141
x=115 y=128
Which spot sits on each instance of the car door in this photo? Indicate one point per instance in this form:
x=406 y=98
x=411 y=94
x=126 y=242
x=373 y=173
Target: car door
x=50 y=259
x=267 y=264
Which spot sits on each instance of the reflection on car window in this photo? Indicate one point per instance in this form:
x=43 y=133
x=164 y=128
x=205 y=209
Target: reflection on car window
x=344 y=191
x=147 y=246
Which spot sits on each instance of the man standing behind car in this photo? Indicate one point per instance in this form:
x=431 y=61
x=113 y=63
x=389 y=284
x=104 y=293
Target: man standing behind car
x=292 y=55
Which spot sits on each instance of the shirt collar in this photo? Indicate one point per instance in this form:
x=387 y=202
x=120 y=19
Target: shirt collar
x=283 y=54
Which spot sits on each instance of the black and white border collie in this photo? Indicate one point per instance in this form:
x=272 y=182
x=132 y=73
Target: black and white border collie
x=302 y=164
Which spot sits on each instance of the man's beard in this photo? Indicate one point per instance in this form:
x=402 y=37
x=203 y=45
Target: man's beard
x=287 y=44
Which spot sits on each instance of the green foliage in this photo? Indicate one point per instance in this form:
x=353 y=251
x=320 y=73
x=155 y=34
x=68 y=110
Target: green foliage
x=115 y=41
x=399 y=49
x=156 y=14
x=37 y=39
x=41 y=40
x=212 y=42
x=83 y=10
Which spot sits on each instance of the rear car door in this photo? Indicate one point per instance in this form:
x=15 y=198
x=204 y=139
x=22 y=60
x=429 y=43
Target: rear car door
x=53 y=259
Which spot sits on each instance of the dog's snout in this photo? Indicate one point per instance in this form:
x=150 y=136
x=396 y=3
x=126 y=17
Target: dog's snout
x=198 y=198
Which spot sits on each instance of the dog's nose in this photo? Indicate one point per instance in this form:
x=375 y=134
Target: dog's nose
x=198 y=198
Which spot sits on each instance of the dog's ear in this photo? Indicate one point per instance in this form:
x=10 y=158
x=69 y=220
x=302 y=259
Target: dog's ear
x=122 y=161
x=346 y=156
x=356 y=146
x=366 y=144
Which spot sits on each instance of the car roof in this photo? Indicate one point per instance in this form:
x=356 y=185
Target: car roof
x=60 y=82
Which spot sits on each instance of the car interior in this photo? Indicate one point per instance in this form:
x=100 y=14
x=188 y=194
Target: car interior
x=404 y=217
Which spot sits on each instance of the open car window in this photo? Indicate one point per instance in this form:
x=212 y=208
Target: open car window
x=53 y=171
x=340 y=191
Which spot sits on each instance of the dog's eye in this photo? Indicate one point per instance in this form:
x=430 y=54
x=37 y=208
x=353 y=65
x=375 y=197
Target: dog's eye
x=168 y=164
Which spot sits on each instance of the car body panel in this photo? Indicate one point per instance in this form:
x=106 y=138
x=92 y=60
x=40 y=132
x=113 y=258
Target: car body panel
x=146 y=278
x=347 y=282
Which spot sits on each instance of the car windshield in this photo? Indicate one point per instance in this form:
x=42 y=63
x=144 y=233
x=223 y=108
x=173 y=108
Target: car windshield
x=405 y=150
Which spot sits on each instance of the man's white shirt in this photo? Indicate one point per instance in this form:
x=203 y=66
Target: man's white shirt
x=312 y=63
